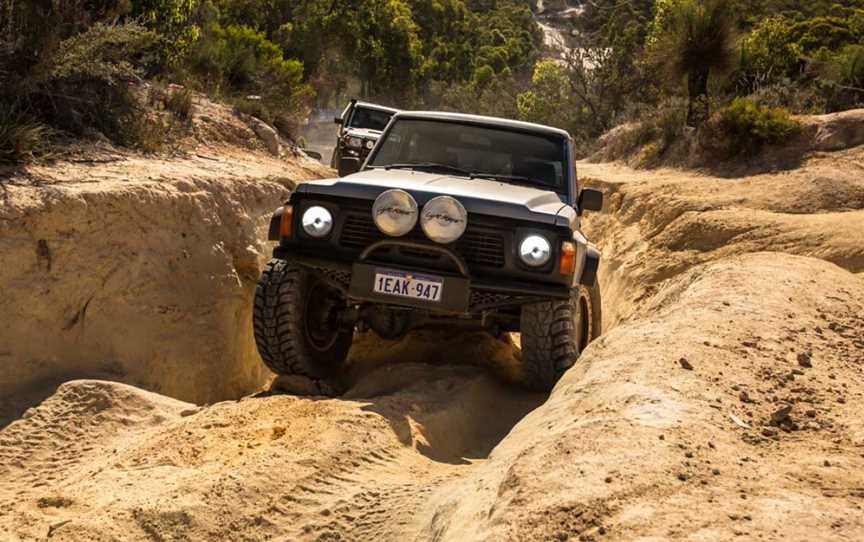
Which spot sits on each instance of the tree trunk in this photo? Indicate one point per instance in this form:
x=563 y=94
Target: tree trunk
x=697 y=89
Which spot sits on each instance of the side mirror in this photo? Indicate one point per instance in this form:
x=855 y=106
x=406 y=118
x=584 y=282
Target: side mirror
x=590 y=200
x=348 y=165
x=337 y=120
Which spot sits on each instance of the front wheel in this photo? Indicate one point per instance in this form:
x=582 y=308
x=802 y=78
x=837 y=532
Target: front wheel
x=554 y=334
x=297 y=329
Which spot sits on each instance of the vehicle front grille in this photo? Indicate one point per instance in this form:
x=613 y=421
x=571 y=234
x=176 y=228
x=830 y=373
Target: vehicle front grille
x=478 y=246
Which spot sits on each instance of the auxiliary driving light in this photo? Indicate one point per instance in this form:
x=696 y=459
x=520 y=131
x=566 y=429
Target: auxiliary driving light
x=444 y=219
x=535 y=250
x=370 y=144
x=395 y=212
x=317 y=221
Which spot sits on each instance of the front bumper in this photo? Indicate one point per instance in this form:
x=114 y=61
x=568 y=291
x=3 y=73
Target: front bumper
x=462 y=295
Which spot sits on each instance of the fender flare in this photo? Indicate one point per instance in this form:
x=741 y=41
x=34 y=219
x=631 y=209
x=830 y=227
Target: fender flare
x=592 y=265
x=275 y=223
x=588 y=258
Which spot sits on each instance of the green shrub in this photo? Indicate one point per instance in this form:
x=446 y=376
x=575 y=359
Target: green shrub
x=769 y=52
x=21 y=139
x=847 y=66
x=239 y=61
x=171 y=20
x=239 y=56
x=549 y=100
x=801 y=99
x=744 y=127
x=83 y=84
x=823 y=33
x=179 y=102
x=90 y=84
x=153 y=133
x=649 y=137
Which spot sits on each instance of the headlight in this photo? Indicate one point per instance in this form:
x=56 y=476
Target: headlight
x=444 y=219
x=317 y=221
x=395 y=212
x=535 y=250
x=370 y=144
x=355 y=142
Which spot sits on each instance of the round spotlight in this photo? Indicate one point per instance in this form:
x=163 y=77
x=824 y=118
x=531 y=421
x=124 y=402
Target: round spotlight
x=317 y=221
x=535 y=250
x=444 y=219
x=370 y=144
x=395 y=212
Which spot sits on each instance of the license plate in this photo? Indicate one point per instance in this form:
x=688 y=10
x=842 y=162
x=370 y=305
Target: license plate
x=410 y=285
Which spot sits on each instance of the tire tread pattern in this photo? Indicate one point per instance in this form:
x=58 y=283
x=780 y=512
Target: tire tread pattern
x=549 y=338
x=279 y=327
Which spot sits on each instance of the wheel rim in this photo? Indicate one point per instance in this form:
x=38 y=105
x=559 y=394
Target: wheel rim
x=322 y=330
x=583 y=326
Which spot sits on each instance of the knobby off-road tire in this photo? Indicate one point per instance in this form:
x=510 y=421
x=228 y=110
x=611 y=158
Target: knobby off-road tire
x=291 y=332
x=554 y=333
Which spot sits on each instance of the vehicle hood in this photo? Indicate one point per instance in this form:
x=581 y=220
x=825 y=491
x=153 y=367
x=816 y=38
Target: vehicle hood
x=481 y=196
x=363 y=132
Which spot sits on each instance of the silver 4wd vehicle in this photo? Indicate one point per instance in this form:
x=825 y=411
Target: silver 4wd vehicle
x=361 y=126
x=452 y=220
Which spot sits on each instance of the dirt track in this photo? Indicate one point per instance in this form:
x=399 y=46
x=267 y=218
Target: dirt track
x=727 y=301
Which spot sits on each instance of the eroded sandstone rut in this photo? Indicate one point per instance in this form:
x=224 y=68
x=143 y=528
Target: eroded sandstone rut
x=138 y=270
x=722 y=401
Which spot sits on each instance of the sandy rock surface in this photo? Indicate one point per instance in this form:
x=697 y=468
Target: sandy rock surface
x=660 y=223
x=139 y=270
x=722 y=403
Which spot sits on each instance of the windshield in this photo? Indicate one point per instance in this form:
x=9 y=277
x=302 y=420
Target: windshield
x=476 y=151
x=370 y=119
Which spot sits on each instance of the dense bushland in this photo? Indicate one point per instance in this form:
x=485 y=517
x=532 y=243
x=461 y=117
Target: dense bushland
x=75 y=68
x=636 y=58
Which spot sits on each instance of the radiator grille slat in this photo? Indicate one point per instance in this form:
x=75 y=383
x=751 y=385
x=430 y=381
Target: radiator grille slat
x=477 y=247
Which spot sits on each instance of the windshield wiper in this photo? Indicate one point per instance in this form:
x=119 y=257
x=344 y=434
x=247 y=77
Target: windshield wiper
x=521 y=179
x=431 y=165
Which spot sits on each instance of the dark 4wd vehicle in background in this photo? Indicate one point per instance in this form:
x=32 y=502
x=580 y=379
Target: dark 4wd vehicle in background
x=361 y=126
x=453 y=220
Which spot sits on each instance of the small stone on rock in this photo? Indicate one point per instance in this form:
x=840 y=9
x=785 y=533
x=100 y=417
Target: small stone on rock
x=685 y=364
x=781 y=415
x=805 y=359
